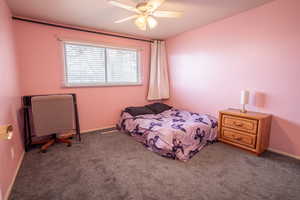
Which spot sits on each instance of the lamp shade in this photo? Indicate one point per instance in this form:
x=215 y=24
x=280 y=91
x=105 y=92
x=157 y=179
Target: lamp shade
x=244 y=97
x=141 y=22
x=151 y=22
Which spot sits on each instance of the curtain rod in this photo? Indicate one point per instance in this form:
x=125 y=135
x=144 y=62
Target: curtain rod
x=79 y=29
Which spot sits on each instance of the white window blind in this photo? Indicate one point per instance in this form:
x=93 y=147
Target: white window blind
x=122 y=66
x=88 y=65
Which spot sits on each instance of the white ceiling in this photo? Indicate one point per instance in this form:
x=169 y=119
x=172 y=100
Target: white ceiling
x=101 y=15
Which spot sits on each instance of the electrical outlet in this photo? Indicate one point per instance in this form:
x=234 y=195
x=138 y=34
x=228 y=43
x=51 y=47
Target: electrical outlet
x=6 y=132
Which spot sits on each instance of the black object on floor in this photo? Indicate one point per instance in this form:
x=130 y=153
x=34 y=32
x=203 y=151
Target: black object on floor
x=114 y=166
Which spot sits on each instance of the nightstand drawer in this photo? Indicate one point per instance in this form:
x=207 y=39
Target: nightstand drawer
x=239 y=123
x=238 y=137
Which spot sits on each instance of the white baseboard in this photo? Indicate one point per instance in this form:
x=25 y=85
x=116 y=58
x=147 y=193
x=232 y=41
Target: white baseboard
x=97 y=129
x=284 y=153
x=14 y=177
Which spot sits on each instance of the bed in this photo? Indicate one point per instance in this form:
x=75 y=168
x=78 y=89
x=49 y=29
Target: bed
x=170 y=132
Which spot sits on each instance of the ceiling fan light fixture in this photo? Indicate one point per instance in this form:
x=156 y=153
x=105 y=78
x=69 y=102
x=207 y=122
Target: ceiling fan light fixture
x=146 y=11
x=141 y=22
x=152 y=23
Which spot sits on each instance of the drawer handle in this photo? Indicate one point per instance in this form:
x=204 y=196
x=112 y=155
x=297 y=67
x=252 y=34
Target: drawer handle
x=237 y=138
x=238 y=124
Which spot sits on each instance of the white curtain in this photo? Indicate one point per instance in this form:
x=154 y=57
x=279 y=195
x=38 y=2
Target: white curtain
x=159 y=78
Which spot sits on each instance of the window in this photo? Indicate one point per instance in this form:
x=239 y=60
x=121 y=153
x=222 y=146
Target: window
x=89 y=65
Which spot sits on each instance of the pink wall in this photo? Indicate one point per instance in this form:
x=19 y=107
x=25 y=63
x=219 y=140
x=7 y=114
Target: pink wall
x=258 y=50
x=10 y=150
x=41 y=68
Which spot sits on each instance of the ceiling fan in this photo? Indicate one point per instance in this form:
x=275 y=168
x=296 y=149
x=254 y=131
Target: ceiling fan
x=145 y=13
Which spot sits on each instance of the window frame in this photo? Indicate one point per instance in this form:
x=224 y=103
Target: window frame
x=66 y=84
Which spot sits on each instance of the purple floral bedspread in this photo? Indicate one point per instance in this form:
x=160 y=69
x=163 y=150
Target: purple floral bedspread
x=176 y=134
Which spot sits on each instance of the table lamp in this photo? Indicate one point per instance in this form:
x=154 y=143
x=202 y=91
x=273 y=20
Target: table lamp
x=244 y=100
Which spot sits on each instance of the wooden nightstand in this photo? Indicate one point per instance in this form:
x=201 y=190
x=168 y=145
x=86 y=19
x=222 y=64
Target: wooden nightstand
x=249 y=131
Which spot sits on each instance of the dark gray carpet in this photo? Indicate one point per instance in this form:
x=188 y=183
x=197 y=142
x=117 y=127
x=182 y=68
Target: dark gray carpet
x=114 y=167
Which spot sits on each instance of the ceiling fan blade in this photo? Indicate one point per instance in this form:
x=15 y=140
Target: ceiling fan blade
x=126 y=19
x=121 y=5
x=154 y=4
x=167 y=14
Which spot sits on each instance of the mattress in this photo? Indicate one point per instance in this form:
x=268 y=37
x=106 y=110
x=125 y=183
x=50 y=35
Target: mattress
x=176 y=134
